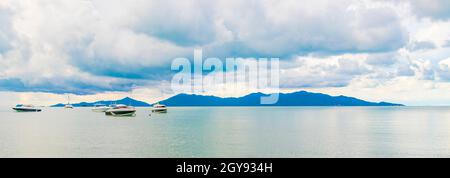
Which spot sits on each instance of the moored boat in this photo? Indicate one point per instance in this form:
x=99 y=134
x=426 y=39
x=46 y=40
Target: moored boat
x=101 y=108
x=121 y=111
x=68 y=105
x=26 y=108
x=159 y=108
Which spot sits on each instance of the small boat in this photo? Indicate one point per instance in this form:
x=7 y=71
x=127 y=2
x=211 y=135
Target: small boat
x=121 y=111
x=26 y=108
x=101 y=108
x=159 y=108
x=68 y=105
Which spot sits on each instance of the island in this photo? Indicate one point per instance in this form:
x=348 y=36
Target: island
x=301 y=98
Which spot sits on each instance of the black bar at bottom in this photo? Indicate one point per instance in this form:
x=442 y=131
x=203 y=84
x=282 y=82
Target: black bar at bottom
x=217 y=167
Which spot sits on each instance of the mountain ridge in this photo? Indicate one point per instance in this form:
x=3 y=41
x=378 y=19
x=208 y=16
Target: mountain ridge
x=125 y=101
x=300 y=98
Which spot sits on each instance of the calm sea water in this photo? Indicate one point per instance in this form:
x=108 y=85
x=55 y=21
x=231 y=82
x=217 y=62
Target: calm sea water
x=230 y=132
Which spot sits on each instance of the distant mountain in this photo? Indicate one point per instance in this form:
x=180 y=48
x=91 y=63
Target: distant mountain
x=301 y=98
x=125 y=101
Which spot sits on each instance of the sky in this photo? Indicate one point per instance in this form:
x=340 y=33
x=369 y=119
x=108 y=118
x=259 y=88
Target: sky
x=377 y=50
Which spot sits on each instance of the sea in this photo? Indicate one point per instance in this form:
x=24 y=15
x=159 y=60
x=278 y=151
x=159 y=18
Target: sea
x=223 y=132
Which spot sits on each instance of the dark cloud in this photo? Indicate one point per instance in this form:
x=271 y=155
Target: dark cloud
x=421 y=46
x=274 y=28
x=75 y=87
x=5 y=30
x=185 y=23
x=435 y=9
x=447 y=44
x=382 y=59
x=405 y=70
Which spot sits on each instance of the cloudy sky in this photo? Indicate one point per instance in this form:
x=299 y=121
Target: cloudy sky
x=379 y=50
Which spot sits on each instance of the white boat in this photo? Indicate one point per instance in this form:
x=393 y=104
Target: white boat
x=26 y=108
x=121 y=111
x=68 y=105
x=159 y=108
x=101 y=108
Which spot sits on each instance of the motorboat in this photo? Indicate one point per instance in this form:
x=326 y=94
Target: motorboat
x=26 y=108
x=121 y=111
x=159 y=108
x=101 y=108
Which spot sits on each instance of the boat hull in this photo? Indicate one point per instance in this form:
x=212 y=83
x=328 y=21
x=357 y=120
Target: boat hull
x=121 y=113
x=159 y=110
x=27 y=110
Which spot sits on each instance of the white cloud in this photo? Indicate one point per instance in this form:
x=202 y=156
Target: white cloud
x=313 y=72
x=423 y=69
x=433 y=32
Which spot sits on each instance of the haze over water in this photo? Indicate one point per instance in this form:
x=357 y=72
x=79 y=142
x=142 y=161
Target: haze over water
x=230 y=132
